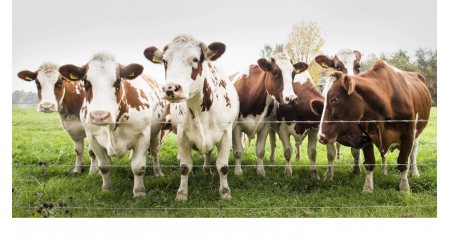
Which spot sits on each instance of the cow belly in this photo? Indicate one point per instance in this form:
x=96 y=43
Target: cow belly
x=204 y=142
x=253 y=125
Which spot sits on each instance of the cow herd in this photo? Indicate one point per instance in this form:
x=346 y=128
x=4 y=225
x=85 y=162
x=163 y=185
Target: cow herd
x=119 y=108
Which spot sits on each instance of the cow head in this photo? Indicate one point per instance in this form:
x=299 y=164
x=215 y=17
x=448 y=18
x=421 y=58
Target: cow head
x=49 y=84
x=342 y=102
x=345 y=61
x=279 y=78
x=184 y=60
x=102 y=77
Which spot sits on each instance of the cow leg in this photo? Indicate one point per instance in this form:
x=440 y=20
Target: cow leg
x=405 y=152
x=79 y=148
x=287 y=147
x=138 y=162
x=273 y=145
x=223 y=151
x=243 y=140
x=104 y=162
x=339 y=152
x=369 y=161
x=356 y=153
x=384 y=168
x=184 y=150
x=94 y=164
x=155 y=146
x=312 y=152
x=331 y=155
x=413 y=165
x=238 y=150
x=298 y=149
x=260 y=150
x=207 y=163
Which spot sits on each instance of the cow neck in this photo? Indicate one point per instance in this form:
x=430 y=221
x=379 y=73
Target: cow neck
x=71 y=101
x=369 y=90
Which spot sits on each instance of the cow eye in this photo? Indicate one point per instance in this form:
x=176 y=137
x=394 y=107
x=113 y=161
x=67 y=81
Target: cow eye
x=195 y=60
x=274 y=74
x=338 y=68
x=334 y=100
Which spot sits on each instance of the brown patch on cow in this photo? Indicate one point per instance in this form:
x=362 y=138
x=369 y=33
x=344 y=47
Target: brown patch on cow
x=132 y=97
x=92 y=154
x=198 y=71
x=192 y=113
x=72 y=102
x=207 y=97
x=227 y=99
x=143 y=95
x=184 y=169
x=223 y=83
x=224 y=170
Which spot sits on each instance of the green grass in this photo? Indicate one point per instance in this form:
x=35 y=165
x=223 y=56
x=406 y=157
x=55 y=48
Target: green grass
x=32 y=143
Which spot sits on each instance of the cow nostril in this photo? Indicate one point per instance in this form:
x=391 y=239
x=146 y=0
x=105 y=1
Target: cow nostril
x=169 y=93
x=177 y=87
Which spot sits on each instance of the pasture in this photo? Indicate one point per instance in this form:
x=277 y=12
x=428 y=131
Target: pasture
x=273 y=196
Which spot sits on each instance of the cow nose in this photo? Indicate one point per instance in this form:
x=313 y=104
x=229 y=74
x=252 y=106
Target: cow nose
x=321 y=138
x=172 y=90
x=46 y=106
x=291 y=99
x=100 y=117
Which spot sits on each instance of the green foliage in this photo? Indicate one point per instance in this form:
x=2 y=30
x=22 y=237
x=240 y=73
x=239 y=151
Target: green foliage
x=268 y=51
x=427 y=65
x=33 y=186
x=24 y=97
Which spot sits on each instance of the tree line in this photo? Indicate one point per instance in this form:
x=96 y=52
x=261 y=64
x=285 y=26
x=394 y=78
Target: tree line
x=20 y=96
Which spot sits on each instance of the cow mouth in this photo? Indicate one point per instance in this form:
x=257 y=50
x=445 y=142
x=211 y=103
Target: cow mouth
x=174 y=99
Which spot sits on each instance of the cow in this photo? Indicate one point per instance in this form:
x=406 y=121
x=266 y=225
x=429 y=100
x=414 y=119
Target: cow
x=57 y=94
x=348 y=62
x=204 y=104
x=307 y=93
x=372 y=103
x=261 y=89
x=122 y=111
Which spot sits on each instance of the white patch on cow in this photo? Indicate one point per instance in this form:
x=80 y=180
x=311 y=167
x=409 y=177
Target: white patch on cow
x=77 y=88
x=396 y=70
x=48 y=74
x=283 y=61
x=368 y=184
x=245 y=71
x=347 y=57
x=302 y=77
x=327 y=87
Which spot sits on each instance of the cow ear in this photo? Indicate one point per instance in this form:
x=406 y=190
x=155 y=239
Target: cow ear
x=316 y=106
x=27 y=75
x=153 y=54
x=358 y=55
x=373 y=130
x=300 y=67
x=215 y=50
x=72 y=72
x=264 y=64
x=131 y=71
x=324 y=61
x=349 y=83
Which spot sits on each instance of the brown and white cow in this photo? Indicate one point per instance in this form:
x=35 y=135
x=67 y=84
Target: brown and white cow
x=204 y=104
x=307 y=93
x=65 y=97
x=122 y=111
x=261 y=89
x=383 y=93
x=348 y=62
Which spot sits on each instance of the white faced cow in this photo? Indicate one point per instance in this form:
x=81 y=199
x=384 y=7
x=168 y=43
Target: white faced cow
x=204 y=104
x=348 y=62
x=119 y=113
x=261 y=89
x=56 y=94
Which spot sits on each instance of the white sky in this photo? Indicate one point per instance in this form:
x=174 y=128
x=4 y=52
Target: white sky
x=71 y=31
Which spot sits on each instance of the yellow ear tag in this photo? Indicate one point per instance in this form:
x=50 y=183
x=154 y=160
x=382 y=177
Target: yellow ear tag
x=156 y=59
x=73 y=77
x=324 y=65
x=212 y=55
x=298 y=70
x=132 y=74
x=28 y=78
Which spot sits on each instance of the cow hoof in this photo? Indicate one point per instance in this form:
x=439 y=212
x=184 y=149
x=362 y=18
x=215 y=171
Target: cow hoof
x=107 y=189
x=226 y=197
x=93 y=170
x=225 y=193
x=272 y=158
x=77 y=170
x=314 y=175
x=158 y=174
x=367 y=190
x=404 y=186
x=261 y=173
x=298 y=157
x=356 y=170
x=207 y=170
x=414 y=173
x=138 y=194
x=328 y=176
x=238 y=172
x=384 y=170
x=181 y=197
x=287 y=173
x=339 y=157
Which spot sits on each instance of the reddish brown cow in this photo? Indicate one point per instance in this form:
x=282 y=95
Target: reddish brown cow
x=383 y=93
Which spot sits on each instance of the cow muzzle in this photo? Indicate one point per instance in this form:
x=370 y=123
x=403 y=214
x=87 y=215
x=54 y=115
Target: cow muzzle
x=290 y=100
x=172 y=91
x=47 y=107
x=100 y=118
x=322 y=138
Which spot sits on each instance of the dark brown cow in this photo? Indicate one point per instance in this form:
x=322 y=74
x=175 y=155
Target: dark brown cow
x=380 y=94
x=306 y=93
x=57 y=94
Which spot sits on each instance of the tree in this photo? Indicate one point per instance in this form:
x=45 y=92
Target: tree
x=24 y=97
x=427 y=66
x=368 y=62
x=268 y=51
x=305 y=41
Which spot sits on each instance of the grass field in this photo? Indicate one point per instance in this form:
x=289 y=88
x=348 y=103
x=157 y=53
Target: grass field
x=32 y=186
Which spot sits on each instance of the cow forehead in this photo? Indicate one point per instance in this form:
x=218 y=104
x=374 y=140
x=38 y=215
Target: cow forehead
x=283 y=61
x=347 y=57
x=183 y=46
x=48 y=72
x=102 y=71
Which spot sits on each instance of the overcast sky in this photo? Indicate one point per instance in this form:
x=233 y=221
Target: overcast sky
x=71 y=31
